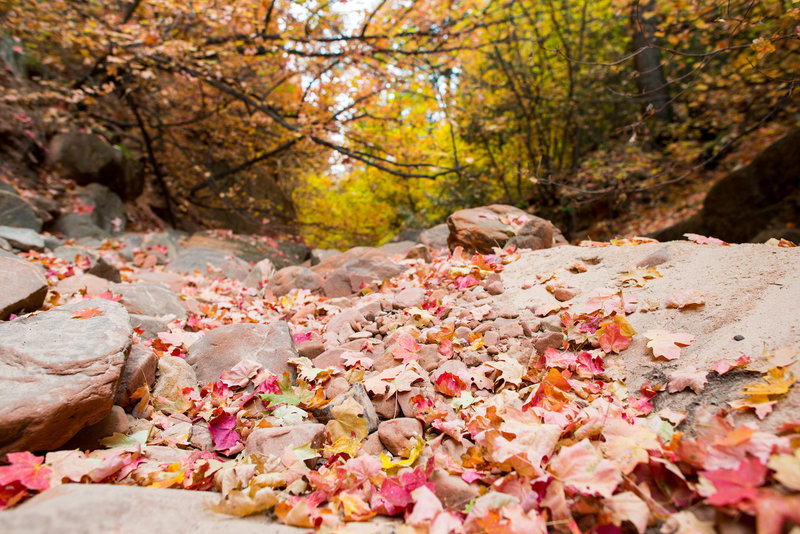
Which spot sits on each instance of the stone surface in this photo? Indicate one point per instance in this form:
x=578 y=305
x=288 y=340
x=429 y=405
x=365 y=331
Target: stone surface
x=357 y=393
x=59 y=373
x=87 y=158
x=294 y=277
x=140 y=369
x=144 y=298
x=23 y=239
x=108 y=211
x=481 y=229
x=277 y=439
x=74 y=225
x=396 y=248
x=435 y=237
x=280 y=253
x=173 y=375
x=116 y=421
x=14 y=211
x=320 y=254
x=104 y=508
x=451 y=490
x=222 y=263
x=23 y=286
x=82 y=283
x=410 y=297
x=260 y=274
x=220 y=349
x=396 y=434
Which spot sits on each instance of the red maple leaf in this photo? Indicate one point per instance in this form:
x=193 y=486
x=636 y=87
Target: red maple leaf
x=223 y=432
x=87 y=313
x=736 y=485
x=26 y=469
x=450 y=384
x=406 y=349
x=613 y=340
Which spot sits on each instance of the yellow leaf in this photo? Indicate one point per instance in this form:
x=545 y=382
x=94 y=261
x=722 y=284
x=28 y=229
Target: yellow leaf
x=777 y=382
x=388 y=464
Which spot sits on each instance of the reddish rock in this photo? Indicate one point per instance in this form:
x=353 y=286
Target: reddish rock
x=495 y=287
x=116 y=422
x=277 y=439
x=386 y=406
x=512 y=329
x=219 y=350
x=563 y=294
x=371 y=445
x=23 y=286
x=88 y=284
x=410 y=297
x=59 y=374
x=396 y=434
x=481 y=229
x=452 y=490
x=294 y=277
x=419 y=252
x=548 y=340
x=260 y=274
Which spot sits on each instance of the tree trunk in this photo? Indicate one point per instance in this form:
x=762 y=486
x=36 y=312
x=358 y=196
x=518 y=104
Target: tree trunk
x=650 y=73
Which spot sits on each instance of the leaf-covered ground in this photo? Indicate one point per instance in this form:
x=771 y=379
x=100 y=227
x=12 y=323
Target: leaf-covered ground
x=548 y=440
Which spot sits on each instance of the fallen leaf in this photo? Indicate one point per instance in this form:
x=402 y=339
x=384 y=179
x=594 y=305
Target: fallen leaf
x=685 y=299
x=583 y=467
x=723 y=366
x=449 y=384
x=87 y=313
x=703 y=240
x=666 y=344
x=26 y=469
x=688 y=377
x=638 y=277
x=732 y=486
x=787 y=469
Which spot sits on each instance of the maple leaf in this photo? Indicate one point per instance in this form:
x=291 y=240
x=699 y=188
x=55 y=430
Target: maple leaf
x=638 y=277
x=703 y=240
x=732 y=486
x=223 y=432
x=86 y=313
x=426 y=506
x=511 y=371
x=688 y=377
x=450 y=384
x=626 y=506
x=612 y=339
x=406 y=349
x=685 y=299
x=352 y=359
x=582 y=466
x=787 y=469
x=26 y=469
x=777 y=381
x=347 y=421
x=723 y=366
x=667 y=345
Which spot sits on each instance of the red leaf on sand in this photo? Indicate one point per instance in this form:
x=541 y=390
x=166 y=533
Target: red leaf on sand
x=11 y=495
x=723 y=366
x=27 y=469
x=689 y=377
x=733 y=486
x=86 y=313
x=703 y=240
x=223 y=432
x=612 y=340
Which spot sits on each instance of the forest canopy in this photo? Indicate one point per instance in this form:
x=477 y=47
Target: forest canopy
x=344 y=121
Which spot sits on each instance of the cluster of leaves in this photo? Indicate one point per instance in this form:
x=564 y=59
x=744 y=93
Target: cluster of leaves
x=554 y=442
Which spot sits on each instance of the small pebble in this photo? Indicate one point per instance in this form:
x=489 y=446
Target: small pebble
x=738 y=337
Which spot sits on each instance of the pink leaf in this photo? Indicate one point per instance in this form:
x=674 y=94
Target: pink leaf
x=689 y=377
x=733 y=486
x=223 y=432
x=667 y=345
x=27 y=469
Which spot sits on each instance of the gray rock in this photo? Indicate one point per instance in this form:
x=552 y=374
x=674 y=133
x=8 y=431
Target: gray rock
x=294 y=277
x=52 y=242
x=103 y=269
x=74 y=225
x=89 y=437
x=163 y=242
x=435 y=237
x=5 y=245
x=199 y=258
x=151 y=325
x=8 y=188
x=87 y=158
x=320 y=254
x=271 y=345
x=109 y=211
x=14 y=211
x=23 y=286
x=59 y=373
x=22 y=238
x=96 y=508
x=144 y=298
x=88 y=284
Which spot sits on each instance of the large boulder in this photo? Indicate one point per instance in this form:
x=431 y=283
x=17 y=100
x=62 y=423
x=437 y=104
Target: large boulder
x=77 y=225
x=294 y=277
x=210 y=262
x=435 y=237
x=271 y=345
x=14 y=211
x=254 y=248
x=95 y=508
x=108 y=211
x=481 y=229
x=349 y=272
x=22 y=238
x=23 y=286
x=144 y=298
x=87 y=158
x=59 y=372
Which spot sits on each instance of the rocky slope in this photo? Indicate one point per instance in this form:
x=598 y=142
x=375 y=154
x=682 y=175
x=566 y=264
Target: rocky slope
x=611 y=386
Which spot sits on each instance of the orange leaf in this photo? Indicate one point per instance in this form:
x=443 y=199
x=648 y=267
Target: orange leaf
x=87 y=313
